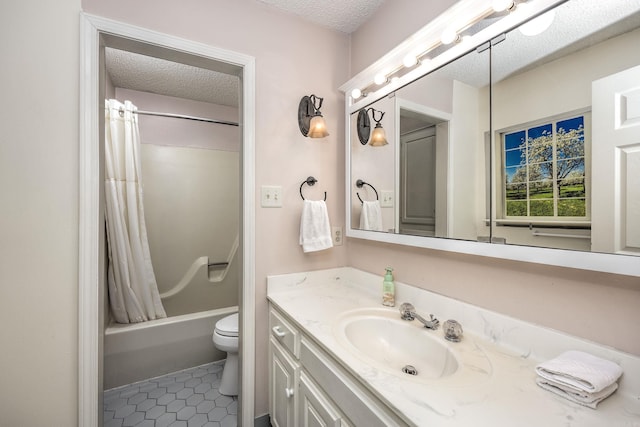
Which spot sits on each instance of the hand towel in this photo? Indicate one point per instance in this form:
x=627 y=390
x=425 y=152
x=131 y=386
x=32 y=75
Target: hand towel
x=580 y=371
x=315 y=231
x=590 y=400
x=371 y=216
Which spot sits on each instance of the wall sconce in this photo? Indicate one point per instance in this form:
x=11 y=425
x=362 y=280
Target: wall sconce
x=310 y=120
x=378 y=136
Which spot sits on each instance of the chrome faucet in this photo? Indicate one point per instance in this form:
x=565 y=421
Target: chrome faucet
x=408 y=312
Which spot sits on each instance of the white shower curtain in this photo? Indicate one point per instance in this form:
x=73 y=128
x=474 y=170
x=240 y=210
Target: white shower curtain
x=133 y=291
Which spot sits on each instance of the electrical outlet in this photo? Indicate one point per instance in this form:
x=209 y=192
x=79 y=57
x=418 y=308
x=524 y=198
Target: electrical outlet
x=387 y=199
x=336 y=235
x=271 y=196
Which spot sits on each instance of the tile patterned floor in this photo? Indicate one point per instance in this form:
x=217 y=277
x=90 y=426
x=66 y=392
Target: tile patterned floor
x=188 y=398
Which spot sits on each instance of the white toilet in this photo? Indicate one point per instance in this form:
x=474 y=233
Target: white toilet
x=225 y=338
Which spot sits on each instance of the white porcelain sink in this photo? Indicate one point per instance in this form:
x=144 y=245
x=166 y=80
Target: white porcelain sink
x=380 y=337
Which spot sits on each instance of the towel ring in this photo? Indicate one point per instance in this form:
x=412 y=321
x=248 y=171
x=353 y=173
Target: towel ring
x=310 y=181
x=360 y=183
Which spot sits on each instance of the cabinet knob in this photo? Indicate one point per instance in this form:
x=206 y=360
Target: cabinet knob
x=288 y=392
x=276 y=330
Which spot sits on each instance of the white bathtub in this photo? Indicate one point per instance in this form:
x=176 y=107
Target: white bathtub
x=145 y=350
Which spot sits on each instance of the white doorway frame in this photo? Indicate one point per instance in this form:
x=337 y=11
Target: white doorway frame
x=91 y=226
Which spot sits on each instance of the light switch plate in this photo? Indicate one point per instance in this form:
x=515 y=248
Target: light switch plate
x=386 y=201
x=271 y=196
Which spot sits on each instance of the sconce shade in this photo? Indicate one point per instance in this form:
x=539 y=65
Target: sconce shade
x=378 y=136
x=310 y=120
x=317 y=127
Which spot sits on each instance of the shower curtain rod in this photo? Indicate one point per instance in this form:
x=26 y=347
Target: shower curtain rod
x=181 y=116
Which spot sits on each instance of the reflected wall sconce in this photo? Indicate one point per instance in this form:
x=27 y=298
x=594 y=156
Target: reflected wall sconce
x=310 y=119
x=378 y=136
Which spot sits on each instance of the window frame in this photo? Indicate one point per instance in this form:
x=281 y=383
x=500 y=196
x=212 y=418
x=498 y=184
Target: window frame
x=500 y=172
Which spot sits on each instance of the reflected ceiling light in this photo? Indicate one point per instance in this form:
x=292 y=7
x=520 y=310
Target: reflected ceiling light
x=356 y=93
x=536 y=25
x=449 y=36
x=378 y=136
x=394 y=79
x=310 y=120
x=501 y=5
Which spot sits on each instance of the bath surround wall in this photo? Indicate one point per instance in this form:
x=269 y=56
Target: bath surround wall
x=190 y=175
x=39 y=181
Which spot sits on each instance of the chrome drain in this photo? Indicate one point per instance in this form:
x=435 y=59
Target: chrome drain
x=411 y=370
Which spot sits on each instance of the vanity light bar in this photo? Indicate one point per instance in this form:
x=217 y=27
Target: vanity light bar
x=451 y=34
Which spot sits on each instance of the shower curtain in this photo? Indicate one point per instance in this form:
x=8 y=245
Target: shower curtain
x=133 y=291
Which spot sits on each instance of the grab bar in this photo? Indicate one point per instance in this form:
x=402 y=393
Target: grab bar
x=217 y=264
x=536 y=233
x=197 y=264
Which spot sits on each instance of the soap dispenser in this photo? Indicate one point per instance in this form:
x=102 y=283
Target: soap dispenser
x=388 y=289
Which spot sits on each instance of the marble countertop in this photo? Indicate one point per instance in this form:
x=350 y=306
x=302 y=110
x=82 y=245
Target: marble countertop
x=495 y=385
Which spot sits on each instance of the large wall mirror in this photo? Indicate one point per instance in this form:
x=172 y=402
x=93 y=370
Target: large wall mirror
x=530 y=140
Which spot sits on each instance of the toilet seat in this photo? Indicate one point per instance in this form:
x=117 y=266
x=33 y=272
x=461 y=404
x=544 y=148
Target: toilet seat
x=227 y=326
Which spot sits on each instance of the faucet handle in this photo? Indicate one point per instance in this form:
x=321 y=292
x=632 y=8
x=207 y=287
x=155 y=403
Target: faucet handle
x=407 y=311
x=452 y=330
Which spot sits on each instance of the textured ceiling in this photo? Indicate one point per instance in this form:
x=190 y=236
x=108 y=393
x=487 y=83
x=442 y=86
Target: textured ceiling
x=129 y=70
x=340 y=15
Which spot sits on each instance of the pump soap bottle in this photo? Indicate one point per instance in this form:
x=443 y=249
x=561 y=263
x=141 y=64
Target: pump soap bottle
x=388 y=289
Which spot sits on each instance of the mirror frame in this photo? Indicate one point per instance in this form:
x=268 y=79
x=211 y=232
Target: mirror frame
x=463 y=11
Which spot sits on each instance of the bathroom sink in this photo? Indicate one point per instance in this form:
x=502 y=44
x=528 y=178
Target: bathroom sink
x=401 y=347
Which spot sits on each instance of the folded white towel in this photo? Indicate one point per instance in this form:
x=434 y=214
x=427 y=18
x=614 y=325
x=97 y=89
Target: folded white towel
x=371 y=216
x=315 y=231
x=587 y=399
x=581 y=371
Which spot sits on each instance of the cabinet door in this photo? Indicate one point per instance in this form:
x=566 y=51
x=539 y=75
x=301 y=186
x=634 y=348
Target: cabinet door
x=314 y=409
x=283 y=373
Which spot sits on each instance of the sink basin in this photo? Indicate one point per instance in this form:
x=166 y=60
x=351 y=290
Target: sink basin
x=380 y=337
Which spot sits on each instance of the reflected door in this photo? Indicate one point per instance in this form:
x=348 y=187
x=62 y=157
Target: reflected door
x=616 y=163
x=418 y=182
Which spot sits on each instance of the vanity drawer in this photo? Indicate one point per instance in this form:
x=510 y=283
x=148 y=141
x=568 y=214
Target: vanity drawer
x=284 y=333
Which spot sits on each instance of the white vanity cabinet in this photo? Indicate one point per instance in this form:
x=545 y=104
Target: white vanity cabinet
x=308 y=388
x=284 y=372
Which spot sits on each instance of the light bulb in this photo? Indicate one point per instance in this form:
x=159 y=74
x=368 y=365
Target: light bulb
x=410 y=60
x=380 y=78
x=500 y=5
x=448 y=36
x=356 y=93
x=317 y=127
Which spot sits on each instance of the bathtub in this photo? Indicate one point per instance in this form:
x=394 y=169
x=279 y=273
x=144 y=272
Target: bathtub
x=139 y=351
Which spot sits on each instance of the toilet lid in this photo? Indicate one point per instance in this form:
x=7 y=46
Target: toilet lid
x=228 y=326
